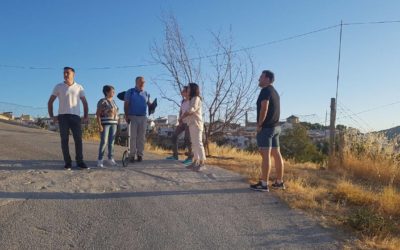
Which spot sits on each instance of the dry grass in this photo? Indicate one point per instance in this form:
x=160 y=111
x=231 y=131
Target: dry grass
x=355 y=195
x=389 y=202
x=381 y=243
x=371 y=157
x=382 y=171
x=360 y=196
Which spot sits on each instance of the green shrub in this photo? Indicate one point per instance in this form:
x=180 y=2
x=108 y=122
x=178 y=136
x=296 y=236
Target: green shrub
x=297 y=145
x=369 y=222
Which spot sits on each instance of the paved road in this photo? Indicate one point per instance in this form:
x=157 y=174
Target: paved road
x=153 y=205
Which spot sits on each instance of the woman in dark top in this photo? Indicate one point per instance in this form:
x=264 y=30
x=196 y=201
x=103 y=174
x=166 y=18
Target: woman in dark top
x=107 y=118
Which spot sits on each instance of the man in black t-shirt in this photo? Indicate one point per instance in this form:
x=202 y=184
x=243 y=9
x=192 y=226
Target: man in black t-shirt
x=268 y=131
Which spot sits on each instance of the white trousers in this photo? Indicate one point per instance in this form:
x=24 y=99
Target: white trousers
x=196 y=137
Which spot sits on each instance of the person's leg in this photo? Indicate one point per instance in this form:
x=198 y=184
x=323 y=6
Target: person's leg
x=201 y=152
x=134 y=129
x=188 y=143
x=103 y=142
x=178 y=130
x=264 y=143
x=195 y=144
x=111 y=139
x=276 y=154
x=265 y=164
x=75 y=124
x=64 y=134
x=141 y=136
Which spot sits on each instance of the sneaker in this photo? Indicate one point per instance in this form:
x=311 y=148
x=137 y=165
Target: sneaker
x=100 y=164
x=259 y=187
x=112 y=162
x=139 y=158
x=82 y=165
x=68 y=166
x=277 y=185
x=172 y=157
x=187 y=161
x=198 y=167
x=191 y=166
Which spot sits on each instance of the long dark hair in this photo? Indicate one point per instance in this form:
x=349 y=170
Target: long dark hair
x=194 y=90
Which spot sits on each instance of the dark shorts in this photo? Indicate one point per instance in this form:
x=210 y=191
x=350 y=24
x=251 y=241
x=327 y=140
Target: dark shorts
x=268 y=138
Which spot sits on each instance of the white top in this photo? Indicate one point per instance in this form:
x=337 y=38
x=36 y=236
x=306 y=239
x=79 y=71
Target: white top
x=185 y=106
x=195 y=113
x=69 y=98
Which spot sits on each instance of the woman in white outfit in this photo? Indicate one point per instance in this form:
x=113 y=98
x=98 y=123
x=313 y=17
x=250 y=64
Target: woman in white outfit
x=194 y=119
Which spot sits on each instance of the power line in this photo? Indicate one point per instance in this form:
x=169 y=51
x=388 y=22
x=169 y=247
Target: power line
x=339 y=57
x=368 y=126
x=212 y=55
x=190 y=59
x=372 y=22
x=352 y=120
x=374 y=108
x=21 y=106
x=354 y=116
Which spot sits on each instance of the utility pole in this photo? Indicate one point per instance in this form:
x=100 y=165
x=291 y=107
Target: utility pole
x=332 y=128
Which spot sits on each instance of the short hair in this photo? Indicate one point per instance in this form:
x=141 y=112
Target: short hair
x=106 y=89
x=269 y=74
x=137 y=78
x=194 y=90
x=69 y=68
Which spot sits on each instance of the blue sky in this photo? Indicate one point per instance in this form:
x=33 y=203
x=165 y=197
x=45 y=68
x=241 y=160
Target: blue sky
x=87 y=34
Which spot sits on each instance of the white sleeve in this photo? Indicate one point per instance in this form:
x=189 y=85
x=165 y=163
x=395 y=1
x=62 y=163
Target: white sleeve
x=82 y=92
x=55 y=91
x=194 y=104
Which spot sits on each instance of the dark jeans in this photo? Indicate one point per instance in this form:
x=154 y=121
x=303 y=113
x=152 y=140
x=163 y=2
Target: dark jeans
x=71 y=122
x=182 y=127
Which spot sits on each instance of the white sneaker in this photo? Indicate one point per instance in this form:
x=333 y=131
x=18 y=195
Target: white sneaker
x=112 y=162
x=100 y=164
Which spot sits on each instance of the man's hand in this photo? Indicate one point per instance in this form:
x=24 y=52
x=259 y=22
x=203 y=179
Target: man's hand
x=85 y=120
x=259 y=128
x=55 y=119
x=127 y=119
x=101 y=128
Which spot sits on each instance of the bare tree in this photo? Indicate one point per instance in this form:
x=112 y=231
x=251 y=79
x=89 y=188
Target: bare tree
x=231 y=88
x=173 y=55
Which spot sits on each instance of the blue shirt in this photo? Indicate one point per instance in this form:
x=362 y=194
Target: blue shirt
x=137 y=101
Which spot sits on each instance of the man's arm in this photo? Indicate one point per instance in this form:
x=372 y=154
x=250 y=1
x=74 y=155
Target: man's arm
x=263 y=114
x=85 y=108
x=50 y=107
x=126 y=110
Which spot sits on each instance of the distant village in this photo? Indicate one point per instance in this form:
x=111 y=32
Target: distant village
x=236 y=135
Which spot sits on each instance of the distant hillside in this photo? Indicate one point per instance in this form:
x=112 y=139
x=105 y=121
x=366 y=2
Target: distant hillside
x=391 y=132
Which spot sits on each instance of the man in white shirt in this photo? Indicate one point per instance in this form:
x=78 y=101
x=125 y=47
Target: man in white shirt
x=69 y=95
